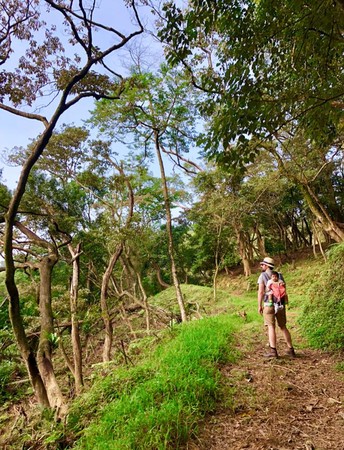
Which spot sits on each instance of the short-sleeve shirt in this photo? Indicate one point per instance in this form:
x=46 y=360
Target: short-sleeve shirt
x=264 y=277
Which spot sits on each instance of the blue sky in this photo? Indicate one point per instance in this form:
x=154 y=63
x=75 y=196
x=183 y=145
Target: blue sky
x=16 y=131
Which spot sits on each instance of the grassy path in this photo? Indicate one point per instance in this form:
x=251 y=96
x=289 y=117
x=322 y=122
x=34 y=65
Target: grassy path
x=281 y=404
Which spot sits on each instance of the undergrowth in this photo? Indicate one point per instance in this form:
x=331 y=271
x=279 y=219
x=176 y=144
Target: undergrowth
x=158 y=404
x=323 y=315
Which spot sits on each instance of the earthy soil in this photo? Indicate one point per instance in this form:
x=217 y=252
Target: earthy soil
x=280 y=404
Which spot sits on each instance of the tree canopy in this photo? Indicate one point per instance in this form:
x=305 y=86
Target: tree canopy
x=265 y=66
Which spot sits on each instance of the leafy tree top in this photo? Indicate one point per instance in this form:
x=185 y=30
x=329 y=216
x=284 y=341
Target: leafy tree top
x=53 y=46
x=264 y=65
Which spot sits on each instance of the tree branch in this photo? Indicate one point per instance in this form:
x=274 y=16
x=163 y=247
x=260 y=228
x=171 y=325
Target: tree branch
x=31 y=235
x=27 y=115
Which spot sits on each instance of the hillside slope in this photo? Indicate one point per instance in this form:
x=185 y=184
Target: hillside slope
x=205 y=384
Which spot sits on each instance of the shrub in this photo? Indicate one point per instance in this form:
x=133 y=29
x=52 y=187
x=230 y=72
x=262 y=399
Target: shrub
x=10 y=371
x=323 y=315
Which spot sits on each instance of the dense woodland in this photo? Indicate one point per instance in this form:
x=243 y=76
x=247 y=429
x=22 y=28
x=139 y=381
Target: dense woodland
x=227 y=149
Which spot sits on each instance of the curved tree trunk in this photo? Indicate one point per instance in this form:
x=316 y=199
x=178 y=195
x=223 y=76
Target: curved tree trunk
x=104 y=304
x=135 y=274
x=108 y=272
x=24 y=348
x=159 y=277
x=332 y=228
x=44 y=352
x=15 y=314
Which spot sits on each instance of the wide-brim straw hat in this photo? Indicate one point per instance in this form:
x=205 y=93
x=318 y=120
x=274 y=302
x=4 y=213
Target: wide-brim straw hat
x=269 y=262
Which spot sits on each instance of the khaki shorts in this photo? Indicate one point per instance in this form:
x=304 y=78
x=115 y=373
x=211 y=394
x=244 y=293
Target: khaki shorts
x=270 y=317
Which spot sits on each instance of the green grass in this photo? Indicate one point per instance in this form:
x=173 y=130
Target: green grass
x=322 y=317
x=195 y=297
x=158 y=404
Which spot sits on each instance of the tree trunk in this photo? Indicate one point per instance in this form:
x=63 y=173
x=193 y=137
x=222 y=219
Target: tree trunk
x=159 y=277
x=333 y=229
x=25 y=351
x=309 y=231
x=44 y=352
x=135 y=274
x=90 y=271
x=247 y=267
x=127 y=321
x=17 y=321
x=260 y=242
x=243 y=251
x=104 y=304
x=176 y=283
x=216 y=260
x=317 y=240
x=76 y=344
x=216 y=272
x=145 y=302
x=249 y=247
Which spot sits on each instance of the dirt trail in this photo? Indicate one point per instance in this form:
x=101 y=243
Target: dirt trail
x=282 y=404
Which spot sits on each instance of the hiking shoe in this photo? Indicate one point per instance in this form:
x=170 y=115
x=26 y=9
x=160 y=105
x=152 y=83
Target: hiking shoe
x=291 y=352
x=272 y=353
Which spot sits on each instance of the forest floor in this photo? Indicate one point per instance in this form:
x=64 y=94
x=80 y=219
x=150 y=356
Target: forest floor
x=280 y=404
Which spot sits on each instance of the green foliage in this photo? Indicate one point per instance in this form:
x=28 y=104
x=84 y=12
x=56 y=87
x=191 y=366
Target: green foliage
x=11 y=371
x=340 y=366
x=4 y=196
x=158 y=106
x=158 y=404
x=6 y=369
x=9 y=368
x=323 y=316
x=277 y=63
